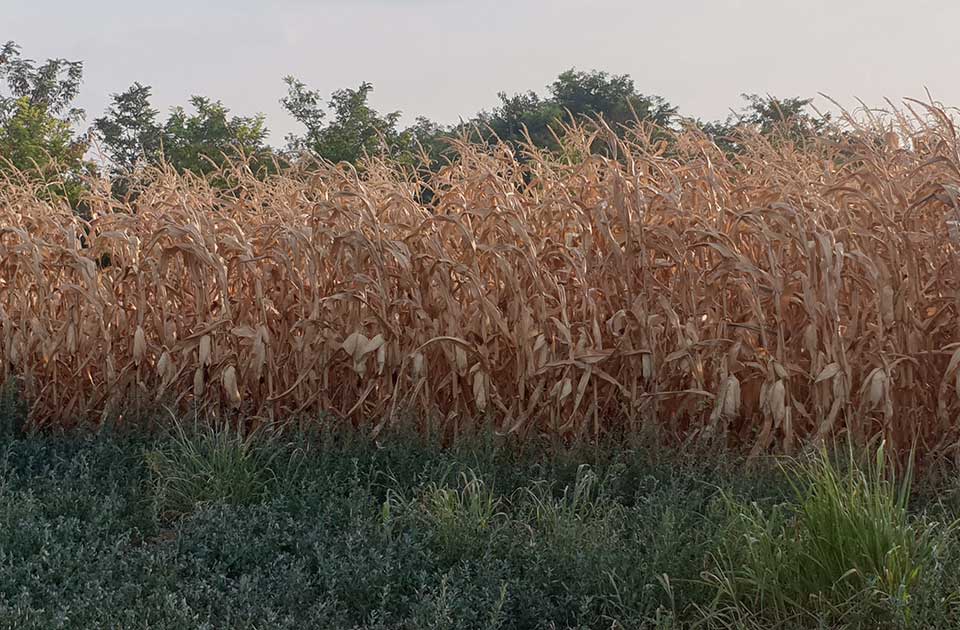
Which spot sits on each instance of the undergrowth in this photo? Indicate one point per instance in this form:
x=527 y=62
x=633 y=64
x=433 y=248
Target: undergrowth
x=216 y=527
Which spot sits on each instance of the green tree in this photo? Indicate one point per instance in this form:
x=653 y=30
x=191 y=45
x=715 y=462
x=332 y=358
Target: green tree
x=307 y=108
x=202 y=141
x=199 y=141
x=346 y=127
x=37 y=137
x=52 y=85
x=789 y=119
x=354 y=128
x=582 y=95
x=129 y=130
x=425 y=145
x=612 y=97
x=521 y=116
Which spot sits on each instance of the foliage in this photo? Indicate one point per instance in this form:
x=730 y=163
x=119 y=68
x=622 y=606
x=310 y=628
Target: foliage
x=846 y=551
x=521 y=118
x=51 y=86
x=786 y=119
x=318 y=549
x=612 y=97
x=358 y=130
x=581 y=95
x=130 y=134
x=36 y=123
x=354 y=129
x=200 y=142
x=13 y=412
x=209 y=463
x=36 y=126
x=410 y=535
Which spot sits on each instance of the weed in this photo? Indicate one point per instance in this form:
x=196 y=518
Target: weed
x=846 y=552
x=210 y=463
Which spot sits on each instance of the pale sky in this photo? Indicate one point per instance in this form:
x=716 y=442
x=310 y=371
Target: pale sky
x=448 y=58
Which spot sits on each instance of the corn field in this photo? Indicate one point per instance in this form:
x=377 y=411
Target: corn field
x=787 y=295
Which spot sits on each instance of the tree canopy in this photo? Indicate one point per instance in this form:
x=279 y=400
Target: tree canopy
x=789 y=118
x=39 y=123
x=201 y=141
x=37 y=119
x=574 y=94
x=129 y=131
x=198 y=141
x=354 y=128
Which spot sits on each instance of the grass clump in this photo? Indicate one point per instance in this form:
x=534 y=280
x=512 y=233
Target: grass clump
x=846 y=552
x=208 y=463
x=462 y=516
x=13 y=412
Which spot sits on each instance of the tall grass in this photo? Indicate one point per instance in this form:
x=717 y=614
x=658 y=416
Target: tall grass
x=203 y=463
x=846 y=551
x=13 y=413
x=782 y=296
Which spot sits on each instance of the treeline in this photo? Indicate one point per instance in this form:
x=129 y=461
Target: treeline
x=42 y=136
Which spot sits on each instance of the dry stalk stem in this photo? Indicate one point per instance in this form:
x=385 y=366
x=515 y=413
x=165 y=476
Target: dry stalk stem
x=769 y=300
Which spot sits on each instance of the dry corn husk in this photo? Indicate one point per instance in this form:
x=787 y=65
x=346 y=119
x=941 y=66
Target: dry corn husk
x=230 y=385
x=139 y=345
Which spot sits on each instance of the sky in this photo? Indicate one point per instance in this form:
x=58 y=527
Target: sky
x=447 y=59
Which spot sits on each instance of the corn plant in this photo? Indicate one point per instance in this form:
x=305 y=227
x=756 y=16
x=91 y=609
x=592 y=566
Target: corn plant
x=764 y=300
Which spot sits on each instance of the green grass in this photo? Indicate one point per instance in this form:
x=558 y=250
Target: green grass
x=202 y=464
x=208 y=528
x=844 y=551
x=13 y=413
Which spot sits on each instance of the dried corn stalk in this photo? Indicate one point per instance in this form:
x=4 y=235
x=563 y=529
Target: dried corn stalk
x=783 y=295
